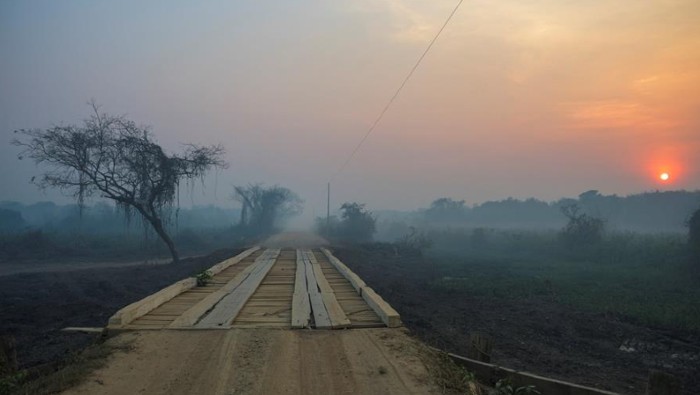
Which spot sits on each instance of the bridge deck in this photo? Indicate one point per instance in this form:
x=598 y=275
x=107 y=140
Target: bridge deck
x=266 y=303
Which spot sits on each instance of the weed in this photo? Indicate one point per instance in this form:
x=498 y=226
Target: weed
x=54 y=379
x=11 y=382
x=505 y=387
x=203 y=278
x=382 y=370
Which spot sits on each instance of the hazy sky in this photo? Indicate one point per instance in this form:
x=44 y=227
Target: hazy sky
x=543 y=98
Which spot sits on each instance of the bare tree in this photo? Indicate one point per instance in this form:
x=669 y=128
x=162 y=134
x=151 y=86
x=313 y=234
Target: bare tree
x=111 y=156
x=262 y=208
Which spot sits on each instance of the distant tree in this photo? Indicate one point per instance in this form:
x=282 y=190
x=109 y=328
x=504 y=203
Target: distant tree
x=581 y=229
x=11 y=220
x=111 y=156
x=589 y=195
x=446 y=210
x=263 y=208
x=694 y=236
x=357 y=224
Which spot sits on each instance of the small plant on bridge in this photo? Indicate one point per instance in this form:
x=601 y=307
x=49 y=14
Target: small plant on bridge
x=203 y=278
x=505 y=387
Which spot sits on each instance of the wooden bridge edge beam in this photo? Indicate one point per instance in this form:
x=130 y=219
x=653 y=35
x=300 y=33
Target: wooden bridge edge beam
x=131 y=312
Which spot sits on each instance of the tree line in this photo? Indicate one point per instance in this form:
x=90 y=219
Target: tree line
x=658 y=211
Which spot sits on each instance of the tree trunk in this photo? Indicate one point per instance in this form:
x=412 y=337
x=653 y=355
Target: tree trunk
x=157 y=224
x=244 y=214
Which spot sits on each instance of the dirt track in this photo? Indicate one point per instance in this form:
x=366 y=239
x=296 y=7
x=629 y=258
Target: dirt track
x=244 y=361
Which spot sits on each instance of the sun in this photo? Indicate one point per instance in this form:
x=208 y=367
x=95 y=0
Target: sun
x=664 y=176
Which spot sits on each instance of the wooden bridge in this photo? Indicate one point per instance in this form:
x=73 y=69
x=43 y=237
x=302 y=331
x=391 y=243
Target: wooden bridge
x=264 y=288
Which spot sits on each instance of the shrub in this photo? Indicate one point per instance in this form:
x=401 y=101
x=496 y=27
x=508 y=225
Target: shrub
x=582 y=229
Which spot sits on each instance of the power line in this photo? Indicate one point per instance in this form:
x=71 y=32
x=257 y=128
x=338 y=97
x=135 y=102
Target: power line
x=396 y=94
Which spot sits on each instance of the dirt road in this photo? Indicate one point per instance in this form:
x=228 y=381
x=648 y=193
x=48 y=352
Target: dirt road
x=270 y=361
x=8 y=269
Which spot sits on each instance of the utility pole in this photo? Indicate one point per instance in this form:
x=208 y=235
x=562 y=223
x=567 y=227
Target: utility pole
x=328 y=211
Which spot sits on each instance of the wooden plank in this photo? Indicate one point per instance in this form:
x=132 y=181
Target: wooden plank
x=353 y=278
x=196 y=311
x=318 y=308
x=142 y=307
x=137 y=309
x=387 y=314
x=321 y=318
x=335 y=312
x=301 y=307
x=230 y=305
x=323 y=285
x=490 y=373
x=221 y=266
x=83 y=329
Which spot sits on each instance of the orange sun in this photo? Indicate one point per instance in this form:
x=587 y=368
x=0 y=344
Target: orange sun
x=664 y=176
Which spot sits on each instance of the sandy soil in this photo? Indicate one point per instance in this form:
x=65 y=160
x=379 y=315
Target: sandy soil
x=244 y=361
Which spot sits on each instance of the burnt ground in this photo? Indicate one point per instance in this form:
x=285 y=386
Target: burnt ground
x=34 y=307
x=535 y=334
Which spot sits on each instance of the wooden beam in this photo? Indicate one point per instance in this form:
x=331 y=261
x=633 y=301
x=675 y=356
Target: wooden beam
x=190 y=316
x=388 y=315
x=345 y=271
x=83 y=329
x=140 y=308
x=301 y=307
x=230 y=305
x=221 y=266
x=491 y=373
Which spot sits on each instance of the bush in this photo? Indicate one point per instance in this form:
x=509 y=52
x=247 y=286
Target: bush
x=357 y=225
x=582 y=229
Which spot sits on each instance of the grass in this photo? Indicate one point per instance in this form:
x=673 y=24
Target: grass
x=644 y=277
x=69 y=373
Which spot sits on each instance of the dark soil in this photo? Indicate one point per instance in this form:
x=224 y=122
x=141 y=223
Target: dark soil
x=34 y=307
x=536 y=334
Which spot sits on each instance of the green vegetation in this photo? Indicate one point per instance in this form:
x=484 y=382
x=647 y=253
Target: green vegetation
x=357 y=224
x=644 y=277
x=504 y=387
x=70 y=372
x=203 y=278
x=448 y=375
